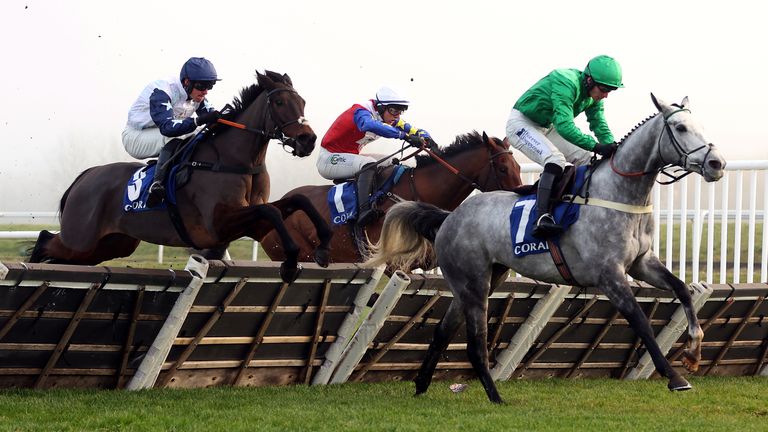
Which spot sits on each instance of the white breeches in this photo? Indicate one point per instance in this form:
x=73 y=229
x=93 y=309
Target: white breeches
x=543 y=145
x=146 y=143
x=334 y=166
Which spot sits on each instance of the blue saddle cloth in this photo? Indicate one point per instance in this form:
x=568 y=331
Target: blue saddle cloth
x=523 y=218
x=137 y=189
x=135 y=196
x=342 y=198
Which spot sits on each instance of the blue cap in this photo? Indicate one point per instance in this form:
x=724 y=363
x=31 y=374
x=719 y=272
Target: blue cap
x=198 y=69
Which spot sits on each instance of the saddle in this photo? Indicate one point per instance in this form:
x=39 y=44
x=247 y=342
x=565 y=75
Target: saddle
x=562 y=187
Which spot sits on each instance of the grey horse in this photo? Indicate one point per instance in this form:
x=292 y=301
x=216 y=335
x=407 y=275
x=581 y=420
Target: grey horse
x=611 y=239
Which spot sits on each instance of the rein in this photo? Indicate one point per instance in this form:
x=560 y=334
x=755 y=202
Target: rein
x=458 y=173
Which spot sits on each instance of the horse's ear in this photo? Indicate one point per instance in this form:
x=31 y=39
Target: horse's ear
x=288 y=80
x=685 y=103
x=489 y=142
x=264 y=81
x=656 y=102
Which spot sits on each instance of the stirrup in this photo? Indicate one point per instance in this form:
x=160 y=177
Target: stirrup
x=546 y=227
x=156 y=194
x=366 y=216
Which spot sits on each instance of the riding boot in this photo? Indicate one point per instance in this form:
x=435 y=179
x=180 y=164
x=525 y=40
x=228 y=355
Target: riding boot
x=545 y=223
x=157 y=188
x=366 y=212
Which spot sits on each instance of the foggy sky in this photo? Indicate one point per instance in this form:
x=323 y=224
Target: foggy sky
x=72 y=69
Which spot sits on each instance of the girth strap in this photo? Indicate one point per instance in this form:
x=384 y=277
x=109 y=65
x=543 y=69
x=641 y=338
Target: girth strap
x=178 y=223
x=562 y=266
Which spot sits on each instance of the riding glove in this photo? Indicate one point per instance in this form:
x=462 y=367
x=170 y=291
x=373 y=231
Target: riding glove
x=208 y=118
x=414 y=140
x=605 y=150
x=432 y=145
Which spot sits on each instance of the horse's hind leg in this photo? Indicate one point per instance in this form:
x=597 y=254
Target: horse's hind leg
x=54 y=251
x=616 y=287
x=38 y=253
x=651 y=270
x=476 y=315
x=112 y=246
x=444 y=332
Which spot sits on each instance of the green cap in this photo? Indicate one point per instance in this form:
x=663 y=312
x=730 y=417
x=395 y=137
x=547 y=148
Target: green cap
x=604 y=70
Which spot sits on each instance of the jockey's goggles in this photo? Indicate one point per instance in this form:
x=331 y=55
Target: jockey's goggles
x=203 y=85
x=605 y=88
x=395 y=110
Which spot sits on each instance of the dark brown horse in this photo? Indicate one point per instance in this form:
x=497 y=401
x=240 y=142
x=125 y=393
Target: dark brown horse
x=225 y=198
x=483 y=163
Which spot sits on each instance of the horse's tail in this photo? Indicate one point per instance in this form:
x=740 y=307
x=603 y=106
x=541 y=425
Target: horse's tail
x=63 y=201
x=407 y=235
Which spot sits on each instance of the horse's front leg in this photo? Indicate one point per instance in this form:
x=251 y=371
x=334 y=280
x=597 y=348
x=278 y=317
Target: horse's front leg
x=293 y=203
x=648 y=268
x=245 y=221
x=613 y=282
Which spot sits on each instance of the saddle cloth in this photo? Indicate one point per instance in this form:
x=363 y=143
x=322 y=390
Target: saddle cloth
x=522 y=219
x=342 y=198
x=137 y=189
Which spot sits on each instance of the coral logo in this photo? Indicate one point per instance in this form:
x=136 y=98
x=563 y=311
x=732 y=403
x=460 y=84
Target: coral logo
x=337 y=159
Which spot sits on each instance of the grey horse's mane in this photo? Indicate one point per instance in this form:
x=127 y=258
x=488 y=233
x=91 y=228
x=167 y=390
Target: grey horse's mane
x=645 y=121
x=637 y=126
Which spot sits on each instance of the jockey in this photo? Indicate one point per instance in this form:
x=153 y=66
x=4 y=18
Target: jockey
x=541 y=126
x=162 y=116
x=340 y=157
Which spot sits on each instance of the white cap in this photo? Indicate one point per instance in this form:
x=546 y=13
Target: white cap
x=387 y=96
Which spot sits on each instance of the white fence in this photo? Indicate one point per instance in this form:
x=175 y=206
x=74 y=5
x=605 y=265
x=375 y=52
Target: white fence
x=714 y=219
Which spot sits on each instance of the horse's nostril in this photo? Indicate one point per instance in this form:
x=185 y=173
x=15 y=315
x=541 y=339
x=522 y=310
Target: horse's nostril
x=715 y=165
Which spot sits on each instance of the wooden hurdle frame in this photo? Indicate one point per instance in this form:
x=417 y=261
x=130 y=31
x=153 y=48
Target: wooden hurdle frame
x=237 y=323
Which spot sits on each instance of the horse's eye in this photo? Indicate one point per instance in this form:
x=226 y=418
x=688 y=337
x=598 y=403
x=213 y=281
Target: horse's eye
x=681 y=128
x=503 y=170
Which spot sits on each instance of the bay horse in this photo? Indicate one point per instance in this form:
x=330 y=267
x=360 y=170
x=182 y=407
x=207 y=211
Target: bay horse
x=611 y=239
x=224 y=199
x=482 y=162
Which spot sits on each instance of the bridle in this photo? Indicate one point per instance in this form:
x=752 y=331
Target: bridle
x=491 y=158
x=275 y=133
x=682 y=156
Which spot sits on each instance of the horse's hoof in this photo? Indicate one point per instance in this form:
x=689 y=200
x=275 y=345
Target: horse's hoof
x=321 y=257
x=690 y=362
x=678 y=383
x=290 y=273
x=421 y=388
